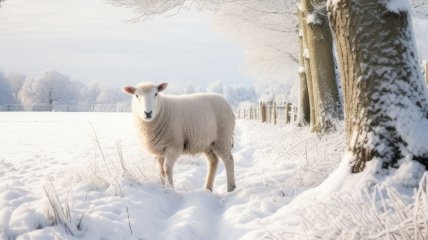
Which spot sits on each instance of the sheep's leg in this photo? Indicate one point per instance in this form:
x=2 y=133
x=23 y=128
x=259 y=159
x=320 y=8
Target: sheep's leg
x=168 y=167
x=211 y=170
x=230 y=171
x=162 y=173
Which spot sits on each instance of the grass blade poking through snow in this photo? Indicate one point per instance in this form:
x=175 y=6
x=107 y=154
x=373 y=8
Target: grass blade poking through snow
x=61 y=215
x=99 y=147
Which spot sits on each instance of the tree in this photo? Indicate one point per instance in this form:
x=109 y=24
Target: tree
x=109 y=95
x=50 y=87
x=5 y=90
x=16 y=80
x=386 y=106
x=267 y=31
x=215 y=87
x=237 y=94
x=90 y=92
x=319 y=44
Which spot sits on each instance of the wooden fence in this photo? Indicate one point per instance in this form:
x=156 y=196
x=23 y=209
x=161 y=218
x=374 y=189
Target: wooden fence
x=271 y=112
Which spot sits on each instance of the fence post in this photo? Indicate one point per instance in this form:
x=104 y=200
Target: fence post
x=295 y=113
x=274 y=113
x=287 y=113
x=263 y=112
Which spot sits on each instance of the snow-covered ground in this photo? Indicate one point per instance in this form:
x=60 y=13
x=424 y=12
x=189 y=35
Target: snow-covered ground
x=83 y=175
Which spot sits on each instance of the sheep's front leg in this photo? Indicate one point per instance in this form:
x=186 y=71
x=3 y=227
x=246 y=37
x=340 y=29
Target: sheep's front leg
x=211 y=170
x=168 y=167
x=162 y=174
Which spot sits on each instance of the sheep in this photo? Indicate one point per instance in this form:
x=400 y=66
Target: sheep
x=169 y=126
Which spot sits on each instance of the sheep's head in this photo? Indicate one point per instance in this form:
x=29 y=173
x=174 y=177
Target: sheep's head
x=145 y=99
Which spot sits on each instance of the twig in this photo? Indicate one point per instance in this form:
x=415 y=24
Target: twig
x=129 y=221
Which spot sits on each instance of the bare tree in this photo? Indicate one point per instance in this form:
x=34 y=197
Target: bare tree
x=386 y=106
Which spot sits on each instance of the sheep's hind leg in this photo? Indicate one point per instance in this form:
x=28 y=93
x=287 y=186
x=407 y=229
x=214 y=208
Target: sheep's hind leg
x=211 y=169
x=162 y=174
x=230 y=170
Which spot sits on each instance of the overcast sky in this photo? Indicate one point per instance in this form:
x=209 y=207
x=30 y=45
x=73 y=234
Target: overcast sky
x=90 y=40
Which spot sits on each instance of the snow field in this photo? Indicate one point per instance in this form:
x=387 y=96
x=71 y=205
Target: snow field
x=60 y=152
x=84 y=176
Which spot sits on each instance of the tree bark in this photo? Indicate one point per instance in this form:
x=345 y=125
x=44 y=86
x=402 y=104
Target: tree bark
x=386 y=103
x=320 y=48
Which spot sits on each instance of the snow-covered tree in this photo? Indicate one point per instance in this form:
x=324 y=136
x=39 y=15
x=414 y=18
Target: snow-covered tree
x=6 y=96
x=386 y=100
x=50 y=87
x=188 y=88
x=237 y=94
x=91 y=92
x=318 y=65
x=16 y=80
x=215 y=87
x=111 y=95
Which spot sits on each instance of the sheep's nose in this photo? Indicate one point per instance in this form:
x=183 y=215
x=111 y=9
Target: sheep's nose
x=148 y=114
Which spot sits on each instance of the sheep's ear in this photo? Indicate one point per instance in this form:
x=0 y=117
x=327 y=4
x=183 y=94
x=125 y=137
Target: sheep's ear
x=129 y=90
x=162 y=86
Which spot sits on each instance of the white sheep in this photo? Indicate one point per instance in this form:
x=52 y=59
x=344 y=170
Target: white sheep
x=170 y=126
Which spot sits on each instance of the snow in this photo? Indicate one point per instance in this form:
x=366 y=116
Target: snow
x=54 y=161
x=398 y=6
x=312 y=18
x=306 y=53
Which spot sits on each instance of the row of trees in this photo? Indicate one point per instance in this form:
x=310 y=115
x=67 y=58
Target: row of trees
x=52 y=87
x=384 y=95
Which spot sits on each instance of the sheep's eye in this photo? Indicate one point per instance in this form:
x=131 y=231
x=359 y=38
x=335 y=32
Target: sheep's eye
x=136 y=95
x=156 y=94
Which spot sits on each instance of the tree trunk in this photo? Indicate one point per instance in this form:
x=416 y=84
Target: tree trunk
x=320 y=48
x=386 y=107
x=426 y=71
x=304 y=105
x=307 y=68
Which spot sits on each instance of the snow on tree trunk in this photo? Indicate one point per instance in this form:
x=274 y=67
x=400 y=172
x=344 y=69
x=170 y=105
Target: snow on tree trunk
x=320 y=49
x=386 y=107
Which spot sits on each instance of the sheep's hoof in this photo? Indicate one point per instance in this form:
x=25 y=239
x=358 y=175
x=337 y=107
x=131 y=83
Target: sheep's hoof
x=231 y=188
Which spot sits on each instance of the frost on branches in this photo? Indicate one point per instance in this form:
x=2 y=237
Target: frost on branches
x=386 y=103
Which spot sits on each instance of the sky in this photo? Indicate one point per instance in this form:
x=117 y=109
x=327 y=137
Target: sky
x=90 y=40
